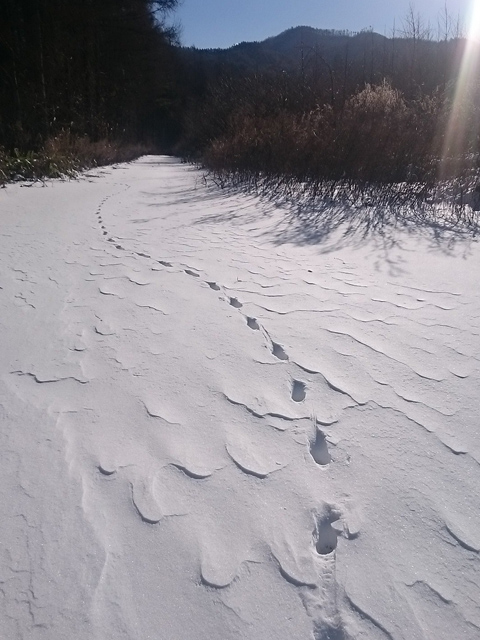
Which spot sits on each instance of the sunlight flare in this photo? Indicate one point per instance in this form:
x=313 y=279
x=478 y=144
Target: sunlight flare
x=461 y=122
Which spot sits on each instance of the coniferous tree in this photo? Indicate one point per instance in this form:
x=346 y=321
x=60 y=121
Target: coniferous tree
x=103 y=68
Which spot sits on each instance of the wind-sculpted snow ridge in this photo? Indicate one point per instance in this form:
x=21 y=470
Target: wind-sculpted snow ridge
x=209 y=432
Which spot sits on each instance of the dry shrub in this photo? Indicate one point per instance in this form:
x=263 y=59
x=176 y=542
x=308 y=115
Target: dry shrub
x=376 y=137
x=85 y=153
x=65 y=155
x=382 y=138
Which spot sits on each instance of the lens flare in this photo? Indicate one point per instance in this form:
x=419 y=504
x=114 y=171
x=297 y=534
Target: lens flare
x=461 y=127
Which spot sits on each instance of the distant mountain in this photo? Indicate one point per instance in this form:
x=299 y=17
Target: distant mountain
x=309 y=38
x=342 y=60
x=290 y=48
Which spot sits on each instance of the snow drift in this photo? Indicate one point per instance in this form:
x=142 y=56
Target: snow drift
x=223 y=421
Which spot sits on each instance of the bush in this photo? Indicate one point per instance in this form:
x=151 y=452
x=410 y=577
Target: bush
x=376 y=137
x=64 y=156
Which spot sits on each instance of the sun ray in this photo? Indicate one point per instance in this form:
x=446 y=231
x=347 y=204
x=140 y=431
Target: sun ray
x=457 y=141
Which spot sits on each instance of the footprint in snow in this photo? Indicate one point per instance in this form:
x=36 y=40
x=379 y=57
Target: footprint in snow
x=192 y=273
x=298 y=391
x=279 y=352
x=325 y=536
x=214 y=286
x=319 y=449
x=253 y=324
x=236 y=303
x=164 y=263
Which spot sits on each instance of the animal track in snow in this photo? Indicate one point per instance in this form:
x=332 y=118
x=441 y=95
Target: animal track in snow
x=319 y=449
x=298 y=391
x=214 y=286
x=253 y=324
x=236 y=303
x=279 y=352
x=324 y=535
x=192 y=273
x=164 y=263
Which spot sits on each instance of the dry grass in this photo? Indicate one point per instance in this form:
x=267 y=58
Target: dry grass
x=377 y=136
x=379 y=147
x=64 y=156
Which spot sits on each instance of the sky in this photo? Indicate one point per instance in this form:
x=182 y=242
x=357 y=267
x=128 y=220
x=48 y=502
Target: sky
x=223 y=23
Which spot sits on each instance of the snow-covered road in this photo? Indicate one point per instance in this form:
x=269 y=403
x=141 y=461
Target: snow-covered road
x=222 y=419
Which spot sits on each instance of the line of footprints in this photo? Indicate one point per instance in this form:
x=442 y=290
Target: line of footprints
x=326 y=535
x=318 y=446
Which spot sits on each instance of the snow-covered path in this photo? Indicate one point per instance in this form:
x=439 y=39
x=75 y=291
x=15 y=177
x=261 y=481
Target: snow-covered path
x=223 y=421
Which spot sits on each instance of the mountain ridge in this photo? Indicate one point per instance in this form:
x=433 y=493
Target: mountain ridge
x=301 y=45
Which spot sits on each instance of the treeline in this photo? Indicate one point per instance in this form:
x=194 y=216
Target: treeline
x=374 y=110
x=102 y=69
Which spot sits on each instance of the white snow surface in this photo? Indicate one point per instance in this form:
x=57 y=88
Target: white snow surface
x=224 y=419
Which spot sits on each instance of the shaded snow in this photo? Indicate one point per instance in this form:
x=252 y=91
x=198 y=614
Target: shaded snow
x=221 y=420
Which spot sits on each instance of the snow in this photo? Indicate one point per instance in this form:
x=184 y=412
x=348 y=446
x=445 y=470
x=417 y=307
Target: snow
x=227 y=419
